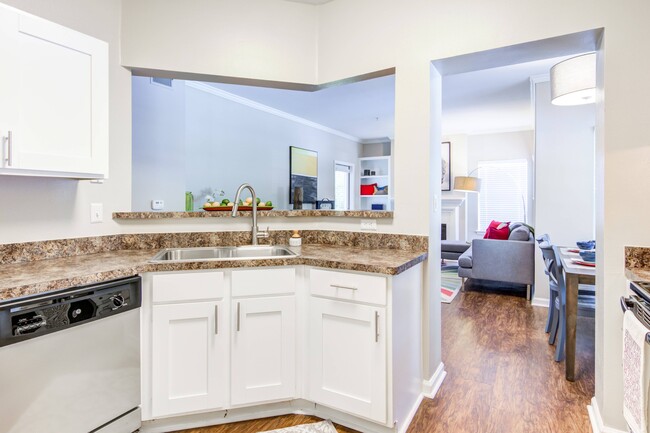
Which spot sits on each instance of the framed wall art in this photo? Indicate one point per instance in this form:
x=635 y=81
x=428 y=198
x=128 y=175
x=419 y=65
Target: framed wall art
x=303 y=168
x=445 y=183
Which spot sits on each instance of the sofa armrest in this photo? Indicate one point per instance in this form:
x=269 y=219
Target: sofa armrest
x=507 y=261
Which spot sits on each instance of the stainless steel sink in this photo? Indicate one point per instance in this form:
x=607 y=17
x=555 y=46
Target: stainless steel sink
x=247 y=252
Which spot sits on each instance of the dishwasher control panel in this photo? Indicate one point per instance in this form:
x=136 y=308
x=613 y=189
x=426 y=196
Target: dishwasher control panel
x=33 y=316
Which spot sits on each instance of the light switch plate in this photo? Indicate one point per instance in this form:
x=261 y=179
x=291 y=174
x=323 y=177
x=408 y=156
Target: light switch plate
x=96 y=213
x=157 y=204
x=369 y=225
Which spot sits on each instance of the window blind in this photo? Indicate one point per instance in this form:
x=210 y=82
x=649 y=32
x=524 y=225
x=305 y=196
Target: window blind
x=504 y=191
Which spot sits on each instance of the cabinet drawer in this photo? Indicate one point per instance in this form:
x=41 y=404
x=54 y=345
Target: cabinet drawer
x=188 y=286
x=258 y=282
x=348 y=286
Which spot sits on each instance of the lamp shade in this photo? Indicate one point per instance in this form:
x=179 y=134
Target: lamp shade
x=467 y=184
x=573 y=81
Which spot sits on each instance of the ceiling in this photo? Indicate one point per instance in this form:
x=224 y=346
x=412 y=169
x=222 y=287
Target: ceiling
x=484 y=101
x=365 y=109
x=311 y=2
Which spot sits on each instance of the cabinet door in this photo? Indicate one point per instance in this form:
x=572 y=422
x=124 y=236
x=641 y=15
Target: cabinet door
x=347 y=360
x=263 y=350
x=60 y=108
x=8 y=79
x=189 y=358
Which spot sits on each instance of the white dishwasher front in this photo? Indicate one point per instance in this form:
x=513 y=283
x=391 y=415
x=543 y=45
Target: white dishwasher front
x=70 y=360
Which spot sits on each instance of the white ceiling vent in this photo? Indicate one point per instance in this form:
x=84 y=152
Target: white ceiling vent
x=166 y=82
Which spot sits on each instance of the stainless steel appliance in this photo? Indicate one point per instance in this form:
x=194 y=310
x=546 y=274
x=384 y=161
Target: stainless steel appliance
x=70 y=360
x=639 y=303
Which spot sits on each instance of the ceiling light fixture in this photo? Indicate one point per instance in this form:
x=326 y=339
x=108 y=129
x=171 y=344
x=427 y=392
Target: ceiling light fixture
x=573 y=81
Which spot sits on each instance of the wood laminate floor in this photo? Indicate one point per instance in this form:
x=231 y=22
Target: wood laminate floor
x=501 y=376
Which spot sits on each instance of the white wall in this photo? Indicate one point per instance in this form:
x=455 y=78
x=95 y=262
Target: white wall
x=158 y=144
x=186 y=139
x=564 y=159
x=257 y=39
x=495 y=147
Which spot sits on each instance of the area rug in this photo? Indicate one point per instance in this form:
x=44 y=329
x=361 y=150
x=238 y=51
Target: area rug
x=317 y=427
x=450 y=283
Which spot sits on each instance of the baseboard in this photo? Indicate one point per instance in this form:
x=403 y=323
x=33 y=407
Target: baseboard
x=430 y=387
x=414 y=409
x=540 y=302
x=597 y=421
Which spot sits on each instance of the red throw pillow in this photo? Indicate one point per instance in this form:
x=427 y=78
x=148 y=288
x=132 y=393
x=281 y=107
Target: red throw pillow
x=498 y=230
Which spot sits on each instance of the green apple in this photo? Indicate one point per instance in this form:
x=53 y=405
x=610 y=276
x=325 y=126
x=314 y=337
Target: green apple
x=269 y=204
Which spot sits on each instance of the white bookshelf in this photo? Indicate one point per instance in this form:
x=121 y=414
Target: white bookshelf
x=381 y=166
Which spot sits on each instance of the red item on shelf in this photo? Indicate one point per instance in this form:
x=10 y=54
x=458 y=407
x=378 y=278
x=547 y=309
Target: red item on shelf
x=368 y=189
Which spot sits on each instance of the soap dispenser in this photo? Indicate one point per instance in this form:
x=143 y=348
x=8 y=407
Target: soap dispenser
x=295 y=240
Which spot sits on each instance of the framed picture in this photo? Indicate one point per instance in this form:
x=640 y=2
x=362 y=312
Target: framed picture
x=303 y=172
x=445 y=183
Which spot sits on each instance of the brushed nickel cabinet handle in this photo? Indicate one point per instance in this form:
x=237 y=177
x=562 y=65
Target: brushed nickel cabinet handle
x=216 y=319
x=376 y=327
x=238 y=315
x=338 y=286
x=9 y=158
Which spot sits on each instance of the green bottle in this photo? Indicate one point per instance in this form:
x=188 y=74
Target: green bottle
x=189 y=202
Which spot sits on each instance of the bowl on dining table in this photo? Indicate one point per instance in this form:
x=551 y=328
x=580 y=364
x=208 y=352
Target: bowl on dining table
x=586 y=245
x=588 y=255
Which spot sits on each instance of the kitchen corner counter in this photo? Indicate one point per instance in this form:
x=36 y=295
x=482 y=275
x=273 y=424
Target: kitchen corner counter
x=28 y=278
x=637 y=263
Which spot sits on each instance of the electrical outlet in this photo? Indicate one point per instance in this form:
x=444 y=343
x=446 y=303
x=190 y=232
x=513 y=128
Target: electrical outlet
x=369 y=225
x=96 y=212
x=157 y=204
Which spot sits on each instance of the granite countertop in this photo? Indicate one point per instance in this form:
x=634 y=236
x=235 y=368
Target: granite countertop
x=637 y=263
x=260 y=213
x=28 y=278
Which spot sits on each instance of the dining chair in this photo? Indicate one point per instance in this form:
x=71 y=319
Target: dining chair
x=548 y=263
x=557 y=307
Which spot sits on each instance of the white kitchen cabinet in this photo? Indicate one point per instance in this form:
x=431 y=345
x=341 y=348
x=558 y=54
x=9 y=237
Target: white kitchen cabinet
x=292 y=336
x=54 y=93
x=263 y=350
x=190 y=355
x=347 y=357
x=185 y=343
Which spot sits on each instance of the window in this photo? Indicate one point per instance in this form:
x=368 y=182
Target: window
x=504 y=191
x=342 y=185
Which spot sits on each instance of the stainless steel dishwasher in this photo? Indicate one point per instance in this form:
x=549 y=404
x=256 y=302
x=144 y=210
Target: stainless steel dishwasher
x=70 y=360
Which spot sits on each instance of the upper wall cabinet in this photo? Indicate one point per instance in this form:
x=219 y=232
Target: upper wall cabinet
x=53 y=99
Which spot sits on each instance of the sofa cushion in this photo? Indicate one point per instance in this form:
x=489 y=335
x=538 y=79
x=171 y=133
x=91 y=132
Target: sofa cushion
x=454 y=246
x=520 y=233
x=465 y=260
x=515 y=225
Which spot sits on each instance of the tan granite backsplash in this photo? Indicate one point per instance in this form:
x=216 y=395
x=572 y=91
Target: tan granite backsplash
x=637 y=257
x=40 y=250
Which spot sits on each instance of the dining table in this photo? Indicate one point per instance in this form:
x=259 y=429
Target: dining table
x=574 y=274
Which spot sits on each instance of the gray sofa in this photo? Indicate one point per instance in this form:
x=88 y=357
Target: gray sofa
x=509 y=261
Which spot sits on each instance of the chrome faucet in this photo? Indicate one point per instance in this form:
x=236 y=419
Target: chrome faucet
x=257 y=233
